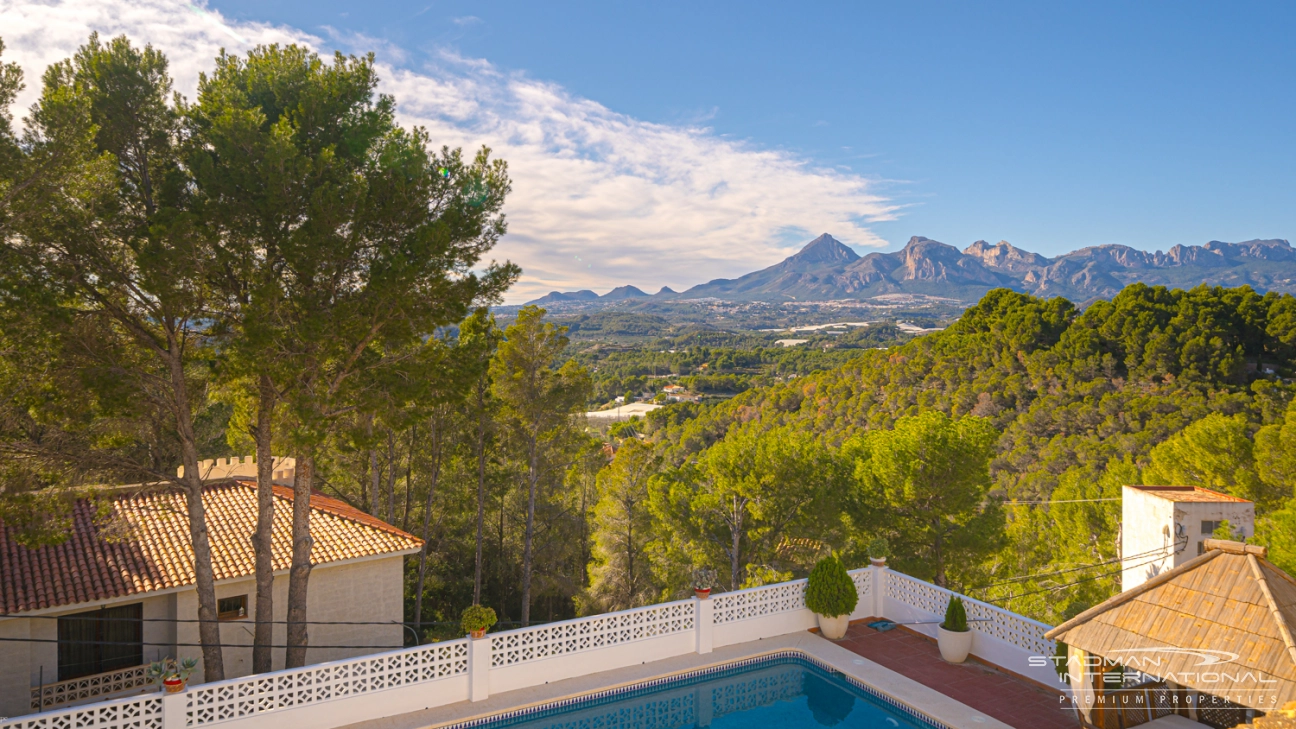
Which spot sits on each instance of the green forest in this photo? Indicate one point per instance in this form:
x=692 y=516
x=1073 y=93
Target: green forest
x=278 y=267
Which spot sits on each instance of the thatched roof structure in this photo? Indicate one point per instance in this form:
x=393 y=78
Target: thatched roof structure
x=1220 y=623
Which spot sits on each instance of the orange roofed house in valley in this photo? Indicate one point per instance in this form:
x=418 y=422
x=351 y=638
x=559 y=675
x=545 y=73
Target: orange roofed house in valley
x=136 y=568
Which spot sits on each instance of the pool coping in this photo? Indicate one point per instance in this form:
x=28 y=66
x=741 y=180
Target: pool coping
x=630 y=688
x=878 y=681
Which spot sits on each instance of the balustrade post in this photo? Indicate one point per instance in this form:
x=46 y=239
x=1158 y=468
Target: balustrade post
x=703 y=623
x=879 y=591
x=174 y=710
x=479 y=664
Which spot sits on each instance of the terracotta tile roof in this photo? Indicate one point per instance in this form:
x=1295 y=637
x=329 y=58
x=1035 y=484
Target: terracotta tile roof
x=156 y=554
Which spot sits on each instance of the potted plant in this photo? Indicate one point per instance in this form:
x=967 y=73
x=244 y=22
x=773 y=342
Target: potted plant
x=704 y=578
x=171 y=675
x=953 y=636
x=831 y=595
x=878 y=551
x=476 y=620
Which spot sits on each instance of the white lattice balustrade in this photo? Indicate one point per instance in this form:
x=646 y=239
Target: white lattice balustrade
x=88 y=687
x=756 y=602
x=772 y=609
x=863 y=580
x=241 y=697
x=1007 y=626
x=584 y=634
x=143 y=712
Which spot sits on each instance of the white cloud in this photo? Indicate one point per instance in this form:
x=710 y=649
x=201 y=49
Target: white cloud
x=599 y=198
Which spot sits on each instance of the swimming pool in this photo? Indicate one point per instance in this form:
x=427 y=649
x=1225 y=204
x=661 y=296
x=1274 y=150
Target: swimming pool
x=779 y=692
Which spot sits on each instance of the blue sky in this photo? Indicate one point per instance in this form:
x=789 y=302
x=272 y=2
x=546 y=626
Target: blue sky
x=1051 y=125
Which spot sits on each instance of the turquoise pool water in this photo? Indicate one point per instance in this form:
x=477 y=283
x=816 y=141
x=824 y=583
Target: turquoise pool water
x=777 y=693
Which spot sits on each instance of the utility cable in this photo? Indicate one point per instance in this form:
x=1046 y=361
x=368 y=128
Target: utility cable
x=1160 y=551
x=245 y=619
x=1014 y=502
x=1082 y=580
x=189 y=645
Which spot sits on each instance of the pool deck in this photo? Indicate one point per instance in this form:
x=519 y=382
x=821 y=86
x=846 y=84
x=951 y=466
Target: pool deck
x=1012 y=700
x=933 y=702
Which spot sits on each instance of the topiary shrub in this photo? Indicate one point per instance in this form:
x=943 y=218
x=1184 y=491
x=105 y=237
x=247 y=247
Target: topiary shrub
x=955 y=617
x=830 y=591
x=879 y=548
x=476 y=617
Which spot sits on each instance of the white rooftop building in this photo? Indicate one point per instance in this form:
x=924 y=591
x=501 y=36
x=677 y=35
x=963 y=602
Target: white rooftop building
x=1164 y=526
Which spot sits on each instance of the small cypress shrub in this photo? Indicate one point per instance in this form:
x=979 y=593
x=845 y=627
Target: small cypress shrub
x=955 y=616
x=830 y=591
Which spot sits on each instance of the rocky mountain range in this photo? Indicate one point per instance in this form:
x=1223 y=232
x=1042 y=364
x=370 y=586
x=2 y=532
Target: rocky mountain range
x=827 y=270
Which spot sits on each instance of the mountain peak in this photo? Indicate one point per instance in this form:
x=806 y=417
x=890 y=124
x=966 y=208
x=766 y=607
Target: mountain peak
x=825 y=250
x=1005 y=256
x=624 y=292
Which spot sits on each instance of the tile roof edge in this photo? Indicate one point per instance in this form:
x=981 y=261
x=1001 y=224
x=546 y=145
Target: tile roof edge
x=336 y=507
x=135 y=596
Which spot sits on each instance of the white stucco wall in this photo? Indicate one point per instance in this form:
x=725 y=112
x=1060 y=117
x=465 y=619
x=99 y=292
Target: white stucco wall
x=368 y=590
x=365 y=590
x=15 y=659
x=1152 y=521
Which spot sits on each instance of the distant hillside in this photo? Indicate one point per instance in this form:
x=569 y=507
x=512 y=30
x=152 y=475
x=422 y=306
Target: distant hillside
x=827 y=270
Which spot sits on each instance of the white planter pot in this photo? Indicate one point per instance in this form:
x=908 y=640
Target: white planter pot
x=954 y=647
x=833 y=628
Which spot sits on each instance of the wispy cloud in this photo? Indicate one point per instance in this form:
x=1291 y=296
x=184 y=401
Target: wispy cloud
x=600 y=198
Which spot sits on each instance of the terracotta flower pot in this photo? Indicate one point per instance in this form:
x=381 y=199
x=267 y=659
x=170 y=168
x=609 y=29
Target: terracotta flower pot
x=173 y=684
x=479 y=633
x=702 y=594
x=878 y=561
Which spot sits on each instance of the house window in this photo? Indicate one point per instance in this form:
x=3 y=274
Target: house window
x=231 y=608
x=1209 y=527
x=98 y=641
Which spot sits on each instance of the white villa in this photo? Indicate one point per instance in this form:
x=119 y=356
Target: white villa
x=131 y=599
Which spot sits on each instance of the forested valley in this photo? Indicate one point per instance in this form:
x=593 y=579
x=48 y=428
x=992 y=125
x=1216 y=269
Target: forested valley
x=279 y=268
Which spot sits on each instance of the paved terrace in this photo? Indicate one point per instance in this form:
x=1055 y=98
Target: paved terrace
x=431 y=685
x=972 y=694
x=1014 y=701
x=928 y=700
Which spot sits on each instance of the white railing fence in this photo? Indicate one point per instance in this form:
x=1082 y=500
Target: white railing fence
x=343 y=692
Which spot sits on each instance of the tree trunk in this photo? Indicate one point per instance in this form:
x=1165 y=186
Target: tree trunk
x=940 y=561
x=533 y=477
x=263 y=537
x=630 y=575
x=427 y=519
x=409 y=479
x=299 y=575
x=481 y=496
x=204 y=577
x=737 y=539
x=391 y=477
x=374 y=474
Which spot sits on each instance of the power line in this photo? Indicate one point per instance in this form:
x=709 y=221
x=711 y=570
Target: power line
x=1077 y=582
x=186 y=645
x=1059 y=501
x=1158 y=551
x=247 y=619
